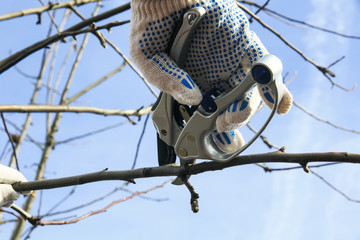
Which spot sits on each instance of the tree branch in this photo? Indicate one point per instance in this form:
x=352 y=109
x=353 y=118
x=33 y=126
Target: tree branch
x=323 y=120
x=37 y=221
x=20 y=55
x=11 y=140
x=42 y=9
x=324 y=70
x=164 y=171
x=269 y=11
x=74 y=109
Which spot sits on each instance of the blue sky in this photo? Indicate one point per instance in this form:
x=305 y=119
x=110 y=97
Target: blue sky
x=237 y=203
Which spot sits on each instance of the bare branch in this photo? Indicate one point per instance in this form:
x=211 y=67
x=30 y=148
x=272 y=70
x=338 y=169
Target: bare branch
x=269 y=169
x=74 y=109
x=11 y=213
x=298 y=21
x=164 y=171
x=42 y=9
x=11 y=140
x=263 y=138
x=260 y=8
x=194 y=196
x=10 y=61
x=92 y=26
x=139 y=142
x=28 y=137
x=132 y=66
x=44 y=62
x=89 y=133
x=95 y=84
x=51 y=17
x=336 y=62
x=323 y=120
x=325 y=71
x=334 y=188
x=50 y=137
x=43 y=223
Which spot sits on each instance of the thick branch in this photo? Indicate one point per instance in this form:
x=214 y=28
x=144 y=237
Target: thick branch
x=126 y=175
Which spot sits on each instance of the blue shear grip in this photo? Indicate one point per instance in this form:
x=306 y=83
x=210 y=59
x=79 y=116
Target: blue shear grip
x=208 y=102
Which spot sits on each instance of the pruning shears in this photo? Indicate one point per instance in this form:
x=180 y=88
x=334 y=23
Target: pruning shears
x=185 y=131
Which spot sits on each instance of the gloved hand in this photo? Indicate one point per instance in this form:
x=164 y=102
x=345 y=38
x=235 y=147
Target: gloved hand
x=220 y=56
x=9 y=176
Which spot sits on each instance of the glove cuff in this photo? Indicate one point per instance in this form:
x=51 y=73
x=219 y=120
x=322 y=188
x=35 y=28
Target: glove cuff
x=156 y=9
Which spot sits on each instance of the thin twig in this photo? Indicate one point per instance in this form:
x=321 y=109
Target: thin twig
x=260 y=8
x=194 y=196
x=139 y=142
x=299 y=21
x=50 y=90
x=100 y=199
x=95 y=84
x=269 y=169
x=334 y=188
x=89 y=133
x=43 y=223
x=325 y=71
x=92 y=26
x=11 y=213
x=61 y=71
x=291 y=79
x=42 y=9
x=132 y=67
x=323 y=120
x=104 y=40
x=56 y=205
x=82 y=205
x=2 y=155
x=28 y=137
x=20 y=55
x=11 y=140
x=51 y=17
x=336 y=62
x=263 y=138
x=24 y=74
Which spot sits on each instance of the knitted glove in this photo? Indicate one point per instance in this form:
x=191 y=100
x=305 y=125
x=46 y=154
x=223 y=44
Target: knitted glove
x=220 y=55
x=9 y=176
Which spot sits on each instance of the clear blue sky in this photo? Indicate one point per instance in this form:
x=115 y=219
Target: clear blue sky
x=237 y=203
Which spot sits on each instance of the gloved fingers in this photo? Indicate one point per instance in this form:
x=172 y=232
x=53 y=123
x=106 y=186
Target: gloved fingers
x=164 y=73
x=239 y=113
x=9 y=176
x=7 y=195
x=268 y=97
x=228 y=141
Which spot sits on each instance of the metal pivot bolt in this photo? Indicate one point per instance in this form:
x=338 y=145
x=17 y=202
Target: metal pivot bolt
x=191 y=18
x=182 y=152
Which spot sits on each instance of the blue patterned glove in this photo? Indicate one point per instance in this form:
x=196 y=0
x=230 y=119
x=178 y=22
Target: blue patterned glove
x=220 y=55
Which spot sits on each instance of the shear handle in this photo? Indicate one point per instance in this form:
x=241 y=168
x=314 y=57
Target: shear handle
x=195 y=140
